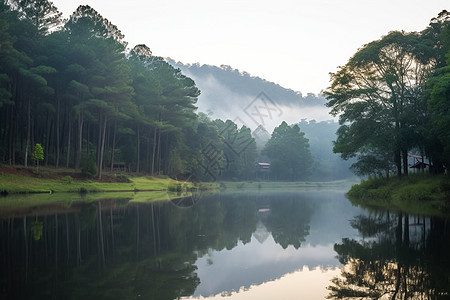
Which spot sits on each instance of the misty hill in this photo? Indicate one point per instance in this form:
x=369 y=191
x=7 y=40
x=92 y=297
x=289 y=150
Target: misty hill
x=227 y=92
x=244 y=84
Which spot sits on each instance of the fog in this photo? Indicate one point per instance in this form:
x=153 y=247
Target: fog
x=251 y=101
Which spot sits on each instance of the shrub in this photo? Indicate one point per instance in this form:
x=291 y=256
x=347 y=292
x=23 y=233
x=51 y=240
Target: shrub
x=173 y=187
x=88 y=167
x=123 y=178
x=67 y=180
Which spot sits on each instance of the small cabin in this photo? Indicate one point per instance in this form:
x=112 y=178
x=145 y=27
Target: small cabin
x=262 y=166
x=262 y=170
x=417 y=162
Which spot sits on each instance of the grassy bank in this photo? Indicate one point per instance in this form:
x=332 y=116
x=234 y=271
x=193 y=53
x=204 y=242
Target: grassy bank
x=417 y=194
x=48 y=180
x=25 y=180
x=20 y=184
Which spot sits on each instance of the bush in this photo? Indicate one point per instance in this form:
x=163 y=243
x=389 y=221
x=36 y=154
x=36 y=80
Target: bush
x=174 y=187
x=67 y=180
x=88 y=167
x=123 y=178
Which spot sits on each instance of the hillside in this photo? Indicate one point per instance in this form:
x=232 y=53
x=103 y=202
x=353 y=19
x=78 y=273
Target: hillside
x=228 y=93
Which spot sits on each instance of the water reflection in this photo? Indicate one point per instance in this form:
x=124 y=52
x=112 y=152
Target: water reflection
x=119 y=249
x=399 y=257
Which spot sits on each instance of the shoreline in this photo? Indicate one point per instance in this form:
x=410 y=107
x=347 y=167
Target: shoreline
x=416 y=194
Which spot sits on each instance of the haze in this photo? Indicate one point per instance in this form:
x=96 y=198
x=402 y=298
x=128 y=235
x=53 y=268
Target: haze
x=292 y=43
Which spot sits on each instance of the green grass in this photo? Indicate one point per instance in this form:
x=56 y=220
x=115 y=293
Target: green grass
x=24 y=184
x=416 y=193
x=55 y=190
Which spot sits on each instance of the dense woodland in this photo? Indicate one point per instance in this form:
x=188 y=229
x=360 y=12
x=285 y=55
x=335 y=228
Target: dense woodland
x=73 y=87
x=393 y=99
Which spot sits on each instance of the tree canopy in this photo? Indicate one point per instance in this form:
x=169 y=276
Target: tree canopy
x=289 y=154
x=381 y=99
x=72 y=86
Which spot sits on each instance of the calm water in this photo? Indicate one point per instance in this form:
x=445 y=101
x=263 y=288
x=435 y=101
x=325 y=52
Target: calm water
x=259 y=245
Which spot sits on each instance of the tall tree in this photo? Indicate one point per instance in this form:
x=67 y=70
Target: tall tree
x=107 y=74
x=41 y=13
x=437 y=95
x=289 y=154
x=381 y=86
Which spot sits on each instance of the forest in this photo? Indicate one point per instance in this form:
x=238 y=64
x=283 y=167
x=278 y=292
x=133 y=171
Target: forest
x=72 y=91
x=73 y=95
x=393 y=99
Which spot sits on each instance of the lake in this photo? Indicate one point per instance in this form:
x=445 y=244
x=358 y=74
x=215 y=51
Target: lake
x=299 y=244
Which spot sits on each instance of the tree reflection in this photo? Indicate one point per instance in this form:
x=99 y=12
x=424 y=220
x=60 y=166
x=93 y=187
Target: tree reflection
x=111 y=249
x=289 y=221
x=399 y=257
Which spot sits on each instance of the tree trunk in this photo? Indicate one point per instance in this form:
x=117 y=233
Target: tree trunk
x=11 y=137
x=79 y=140
x=27 y=145
x=68 y=143
x=398 y=163
x=58 y=146
x=405 y=162
x=113 y=145
x=102 y=147
x=158 y=155
x=154 y=151
x=147 y=166
x=47 y=140
x=99 y=139
x=138 y=148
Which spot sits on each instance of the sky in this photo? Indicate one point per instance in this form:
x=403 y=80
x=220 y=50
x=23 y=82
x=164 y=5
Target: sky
x=293 y=43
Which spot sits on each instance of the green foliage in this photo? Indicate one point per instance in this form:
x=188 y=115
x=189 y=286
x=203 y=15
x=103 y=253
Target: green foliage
x=439 y=107
x=175 y=187
x=81 y=93
x=67 y=179
x=123 y=178
x=418 y=193
x=289 y=154
x=38 y=155
x=379 y=97
x=88 y=167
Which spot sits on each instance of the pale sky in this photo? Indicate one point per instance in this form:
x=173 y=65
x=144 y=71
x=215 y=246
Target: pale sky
x=293 y=43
